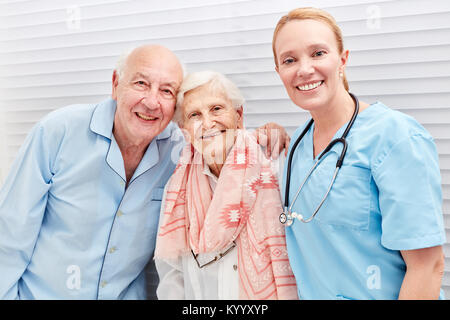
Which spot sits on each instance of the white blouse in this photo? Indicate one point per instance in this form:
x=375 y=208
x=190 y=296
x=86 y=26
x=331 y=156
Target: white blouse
x=183 y=279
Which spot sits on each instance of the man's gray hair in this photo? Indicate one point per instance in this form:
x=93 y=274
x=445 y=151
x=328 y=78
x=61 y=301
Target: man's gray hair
x=121 y=62
x=216 y=81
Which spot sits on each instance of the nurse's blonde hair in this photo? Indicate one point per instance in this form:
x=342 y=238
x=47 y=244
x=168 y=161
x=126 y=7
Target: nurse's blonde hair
x=313 y=14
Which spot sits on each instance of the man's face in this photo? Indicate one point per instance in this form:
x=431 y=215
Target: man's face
x=145 y=94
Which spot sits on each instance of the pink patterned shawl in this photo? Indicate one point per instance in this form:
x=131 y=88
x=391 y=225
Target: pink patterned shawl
x=244 y=207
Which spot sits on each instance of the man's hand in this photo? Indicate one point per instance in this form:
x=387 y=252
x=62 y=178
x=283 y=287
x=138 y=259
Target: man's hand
x=274 y=138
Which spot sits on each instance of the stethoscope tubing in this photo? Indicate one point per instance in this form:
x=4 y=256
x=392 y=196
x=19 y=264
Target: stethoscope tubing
x=287 y=211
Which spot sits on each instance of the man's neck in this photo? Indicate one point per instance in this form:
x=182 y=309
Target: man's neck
x=132 y=153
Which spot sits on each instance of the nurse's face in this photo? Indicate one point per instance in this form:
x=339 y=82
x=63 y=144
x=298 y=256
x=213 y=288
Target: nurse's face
x=309 y=63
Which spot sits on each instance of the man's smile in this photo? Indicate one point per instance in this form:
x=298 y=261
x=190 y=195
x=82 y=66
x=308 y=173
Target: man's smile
x=144 y=117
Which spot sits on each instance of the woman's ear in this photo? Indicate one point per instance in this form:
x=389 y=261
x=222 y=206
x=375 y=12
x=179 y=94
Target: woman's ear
x=344 y=60
x=240 y=112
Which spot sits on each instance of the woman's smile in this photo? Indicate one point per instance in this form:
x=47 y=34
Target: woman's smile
x=310 y=86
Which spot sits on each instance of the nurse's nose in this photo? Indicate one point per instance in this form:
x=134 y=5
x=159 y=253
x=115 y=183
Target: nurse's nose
x=305 y=68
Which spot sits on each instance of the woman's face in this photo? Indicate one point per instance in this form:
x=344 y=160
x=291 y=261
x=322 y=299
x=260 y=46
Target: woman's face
x=309 y=63
x=211 y=122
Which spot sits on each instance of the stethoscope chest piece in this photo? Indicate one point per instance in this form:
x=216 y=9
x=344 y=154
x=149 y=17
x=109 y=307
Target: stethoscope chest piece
x=285 y=220
x=289 y=217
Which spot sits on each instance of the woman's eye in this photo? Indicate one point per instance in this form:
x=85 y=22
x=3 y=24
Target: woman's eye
x=288 y=60
x=319 y=53
x=217 y=108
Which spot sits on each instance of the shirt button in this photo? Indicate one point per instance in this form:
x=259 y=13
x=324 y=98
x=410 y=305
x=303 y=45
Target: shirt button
x=112 y=250
x=122 y=183
x=119 y=213
x=103 y=284
x=235 y=267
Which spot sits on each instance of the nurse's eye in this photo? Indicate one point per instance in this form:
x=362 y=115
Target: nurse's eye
x=319 y=53
x=216 y=108
x=288 y=61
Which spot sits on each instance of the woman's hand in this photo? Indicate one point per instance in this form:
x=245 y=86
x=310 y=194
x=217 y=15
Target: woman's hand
x=274 y=138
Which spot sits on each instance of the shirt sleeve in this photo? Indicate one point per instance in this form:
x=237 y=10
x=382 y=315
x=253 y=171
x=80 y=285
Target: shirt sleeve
x=171 y=279
x=170 y=272
x=410 y=196
x=23 y=200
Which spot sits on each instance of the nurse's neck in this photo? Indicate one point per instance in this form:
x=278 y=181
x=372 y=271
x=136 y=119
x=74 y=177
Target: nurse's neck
x=335 y=113
x=329 y=118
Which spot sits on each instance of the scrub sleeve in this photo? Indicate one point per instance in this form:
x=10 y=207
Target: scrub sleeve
x=410 y=197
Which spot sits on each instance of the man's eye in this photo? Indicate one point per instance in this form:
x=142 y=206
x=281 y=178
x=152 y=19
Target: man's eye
x=167 y=91
x=140 y=83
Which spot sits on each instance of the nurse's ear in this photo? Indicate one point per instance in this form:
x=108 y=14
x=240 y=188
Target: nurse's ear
x=344 y=60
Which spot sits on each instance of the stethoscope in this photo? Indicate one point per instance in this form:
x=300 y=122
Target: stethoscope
x=287 y=216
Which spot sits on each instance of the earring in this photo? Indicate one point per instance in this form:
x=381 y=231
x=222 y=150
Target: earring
x=341 y=74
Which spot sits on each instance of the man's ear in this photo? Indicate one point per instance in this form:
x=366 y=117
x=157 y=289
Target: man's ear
x=115 y=83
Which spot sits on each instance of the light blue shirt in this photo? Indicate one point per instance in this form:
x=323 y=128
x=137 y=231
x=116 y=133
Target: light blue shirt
x=387 y=197
x=68 y=227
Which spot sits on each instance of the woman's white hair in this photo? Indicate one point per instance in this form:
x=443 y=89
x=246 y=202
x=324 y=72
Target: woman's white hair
x=216 y=81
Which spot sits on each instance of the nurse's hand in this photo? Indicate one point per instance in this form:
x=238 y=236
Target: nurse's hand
x=274 y=138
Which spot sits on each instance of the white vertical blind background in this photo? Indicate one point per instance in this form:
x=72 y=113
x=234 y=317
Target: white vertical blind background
x=59 y=52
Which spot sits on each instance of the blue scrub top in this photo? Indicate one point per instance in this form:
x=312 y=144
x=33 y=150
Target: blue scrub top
x=387 y=197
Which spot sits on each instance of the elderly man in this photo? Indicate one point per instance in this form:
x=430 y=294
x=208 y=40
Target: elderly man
x=79 y=210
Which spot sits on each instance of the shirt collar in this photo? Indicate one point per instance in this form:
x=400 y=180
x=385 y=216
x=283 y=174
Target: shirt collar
x=102 y=120
x=211 y=177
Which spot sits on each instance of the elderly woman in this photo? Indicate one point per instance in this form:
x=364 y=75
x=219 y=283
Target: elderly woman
x=219 y=235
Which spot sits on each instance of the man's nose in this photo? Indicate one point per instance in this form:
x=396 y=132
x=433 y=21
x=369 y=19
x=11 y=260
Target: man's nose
x=151 y=98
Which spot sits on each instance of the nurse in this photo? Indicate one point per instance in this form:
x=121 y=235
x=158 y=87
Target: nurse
x=379 y=233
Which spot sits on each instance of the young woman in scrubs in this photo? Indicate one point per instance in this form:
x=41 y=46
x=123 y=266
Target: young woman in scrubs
x=379 y=233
